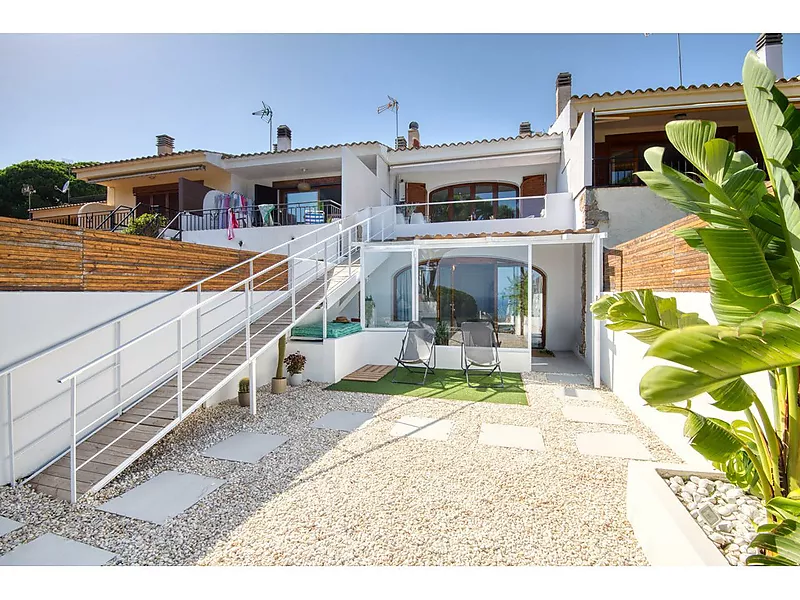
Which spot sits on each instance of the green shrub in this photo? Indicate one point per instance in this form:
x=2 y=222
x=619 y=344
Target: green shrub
x=148 y=225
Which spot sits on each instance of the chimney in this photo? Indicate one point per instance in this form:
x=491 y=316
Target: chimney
x=413 y=134
x=769 y=48
x=164 y=145
x=563 y=91
x=400 y=143
x=284 y=138
x=525 y=129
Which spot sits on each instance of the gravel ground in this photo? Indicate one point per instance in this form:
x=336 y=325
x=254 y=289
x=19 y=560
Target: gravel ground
x=366 y=498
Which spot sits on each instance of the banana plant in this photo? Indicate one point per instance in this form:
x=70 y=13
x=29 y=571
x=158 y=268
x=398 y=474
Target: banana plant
x=751 y=234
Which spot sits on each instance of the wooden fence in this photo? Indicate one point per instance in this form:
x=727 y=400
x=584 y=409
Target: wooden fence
x=658 y=260
x=48 y=257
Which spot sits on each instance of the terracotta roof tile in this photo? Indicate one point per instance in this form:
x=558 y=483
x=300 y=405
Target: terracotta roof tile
x=246 y=155
x=467 y=236
x=128 y=160
x=703 y=86
x=484 y=141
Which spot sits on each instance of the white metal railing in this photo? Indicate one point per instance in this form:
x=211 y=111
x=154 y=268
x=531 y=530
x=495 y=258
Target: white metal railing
x=479 y=209
x=285 y=284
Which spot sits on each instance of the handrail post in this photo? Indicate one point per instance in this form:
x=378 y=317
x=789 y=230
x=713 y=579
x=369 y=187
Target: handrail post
x=12 y=475
x=73 y=459
x=253 y=387
x=325 y=295
x=118 y=365
x=199 y=318
x=180 y=369
x=248 y=299
x=349 y=252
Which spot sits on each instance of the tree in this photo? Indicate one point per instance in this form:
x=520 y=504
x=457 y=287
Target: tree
x=46 y=177
x=752 y=239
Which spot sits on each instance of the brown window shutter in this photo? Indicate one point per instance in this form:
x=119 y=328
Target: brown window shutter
x=416 y=193
x=534 y=185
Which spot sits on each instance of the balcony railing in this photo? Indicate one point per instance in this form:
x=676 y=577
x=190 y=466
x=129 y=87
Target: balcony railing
x=104 y=220
x=252 y=216
x=478 y=209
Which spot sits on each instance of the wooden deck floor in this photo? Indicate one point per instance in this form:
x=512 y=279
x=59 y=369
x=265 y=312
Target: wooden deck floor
x=160 y=408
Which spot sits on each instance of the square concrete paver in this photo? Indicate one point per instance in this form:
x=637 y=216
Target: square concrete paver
x=619 y=445
x=571 y=378
x=343 y=420
x=422 y=428
x=51 y=550
x=8 y=525
x=166 y=495
x=511 y=436
x=590 y=414
x=246 y=447
x=578 y=394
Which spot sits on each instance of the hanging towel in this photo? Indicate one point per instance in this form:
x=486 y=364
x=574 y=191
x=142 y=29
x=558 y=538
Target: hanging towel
x=266 y=213
x=232 y=223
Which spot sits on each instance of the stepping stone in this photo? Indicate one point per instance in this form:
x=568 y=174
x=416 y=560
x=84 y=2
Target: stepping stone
x=590 y=414
x=578 y=394
x=422 y=428
x=166 y=495
x=246 y=447
x=8 y=525
x=511 y=436
x=51 y=550
x=571 y=378
x=343 y=420
x=618 y=445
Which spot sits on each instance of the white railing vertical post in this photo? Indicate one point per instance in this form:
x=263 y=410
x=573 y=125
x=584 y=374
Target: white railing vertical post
x=118 y=365
x=248 y=299
x=367 y=237
x=529 y=292
x=415 y=284
x=180 y=369
x=253 y=387
x=73 y=458
x=383 y=227
x=597 y=289
x=349 y=252
x=10 y=416
x=199 y=317
x=325 y=294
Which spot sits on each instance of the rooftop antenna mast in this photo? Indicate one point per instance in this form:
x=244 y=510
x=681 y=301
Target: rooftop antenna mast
x=266 y=115
x=393 y=106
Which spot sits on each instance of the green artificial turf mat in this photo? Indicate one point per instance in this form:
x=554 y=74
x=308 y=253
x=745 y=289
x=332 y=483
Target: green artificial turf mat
x=446 y=384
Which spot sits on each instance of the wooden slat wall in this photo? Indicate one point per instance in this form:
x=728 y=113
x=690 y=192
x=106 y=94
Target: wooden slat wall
x=45 y=256
x=658 y=260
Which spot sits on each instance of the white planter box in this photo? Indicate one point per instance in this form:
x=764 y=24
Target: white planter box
x=667 y=533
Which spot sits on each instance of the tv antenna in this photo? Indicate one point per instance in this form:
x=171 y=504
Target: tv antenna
x=392 y=106
x=266 y=115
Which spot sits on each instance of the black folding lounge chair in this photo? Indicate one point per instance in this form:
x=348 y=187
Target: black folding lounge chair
x=479 y=349
x=418 y=350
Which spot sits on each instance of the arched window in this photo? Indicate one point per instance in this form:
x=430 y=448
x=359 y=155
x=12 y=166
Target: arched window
x=457 y=289
x=447 y=202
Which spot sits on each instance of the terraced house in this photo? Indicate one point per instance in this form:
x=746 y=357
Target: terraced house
x=338 y=248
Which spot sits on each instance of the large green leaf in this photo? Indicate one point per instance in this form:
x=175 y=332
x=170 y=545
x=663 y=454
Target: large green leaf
x=719 y=154
x=741 y=260
x=745 y=189
x=712 y=438
x=718 y=354
x=730 y=307
x=734 y=396
x=689 y=137
x=642 y=314
x=783 y=540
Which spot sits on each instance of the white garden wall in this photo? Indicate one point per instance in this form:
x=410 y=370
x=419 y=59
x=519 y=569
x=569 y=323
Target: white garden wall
x=360 y=187
x=632 y=212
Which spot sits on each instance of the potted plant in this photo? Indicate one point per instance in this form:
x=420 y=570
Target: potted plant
x=295 y=363
x=244 y=391
x=279 y=381
x=369 y=310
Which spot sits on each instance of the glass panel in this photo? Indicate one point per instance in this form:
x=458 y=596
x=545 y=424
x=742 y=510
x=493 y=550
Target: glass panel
x=388 y=289
x=484 y=210
x=512 y=305
x=439 y=214
x=462 y=211
x=297 y=203
x=537 y=311
x=507 y=209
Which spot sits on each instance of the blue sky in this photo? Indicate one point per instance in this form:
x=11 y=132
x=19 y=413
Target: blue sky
x=106 y=97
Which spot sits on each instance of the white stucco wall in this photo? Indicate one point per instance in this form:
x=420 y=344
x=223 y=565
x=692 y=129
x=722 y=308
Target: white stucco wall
x=360 y=186
x=623 y=364
x=578 y=156
x=38 y=320
x=632 y=211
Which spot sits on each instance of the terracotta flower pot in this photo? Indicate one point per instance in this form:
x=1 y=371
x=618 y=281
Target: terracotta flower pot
x=278 y=385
